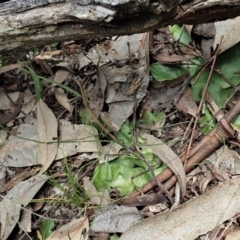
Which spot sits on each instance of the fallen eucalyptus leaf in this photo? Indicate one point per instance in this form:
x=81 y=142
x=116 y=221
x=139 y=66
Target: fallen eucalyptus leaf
x=192 y=219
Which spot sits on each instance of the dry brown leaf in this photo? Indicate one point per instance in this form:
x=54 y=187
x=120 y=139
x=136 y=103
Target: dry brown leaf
x=62 y=98
x=99 y=198
x=120 y=104
x=228 y=29
x=15 y=200
x=25 y=223
x=97 y=94
x=114 y=218
x=233 y=235
x=13 y=111
x=187 y=104
x=76 y=138
x=166 y=155
x=75 y=230
x=29 y=102
x=20 y=150
x=109 y=152
x=61 y=76
x=10 y=67
x=47 y=132
x=193 y=218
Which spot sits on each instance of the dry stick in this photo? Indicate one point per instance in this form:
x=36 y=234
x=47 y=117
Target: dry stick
x=203 y=149
x=213 y=59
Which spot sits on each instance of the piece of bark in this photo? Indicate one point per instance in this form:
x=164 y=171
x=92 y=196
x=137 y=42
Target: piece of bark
x=28 y=24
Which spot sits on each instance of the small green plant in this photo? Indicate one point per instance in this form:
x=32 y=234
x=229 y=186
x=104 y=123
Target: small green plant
x=179 y=34
x=207 y=121
x=54 y=45
x=46 y=228
x=114 y=237
x=127 y=172
x=72 y=192
x=150 y=118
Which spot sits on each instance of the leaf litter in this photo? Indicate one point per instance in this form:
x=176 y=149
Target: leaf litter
x=59 y=129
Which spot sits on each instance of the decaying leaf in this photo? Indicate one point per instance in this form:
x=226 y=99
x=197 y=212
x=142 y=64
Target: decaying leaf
x=74 y=230
x=99 y=198
x=228 y=29
x=128 y=82
x=20 y=150
x=62 y=98
x=191 y=219
x=47 y=132
x=13 y=111
x=97 y=94
x=116 y=218
x=15 y=200
x=186 y=103
x=61 y=75
x=76 y=138
x=166 y=155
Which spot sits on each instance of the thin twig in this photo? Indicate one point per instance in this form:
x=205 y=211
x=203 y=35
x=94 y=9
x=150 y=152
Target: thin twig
x=213 y=60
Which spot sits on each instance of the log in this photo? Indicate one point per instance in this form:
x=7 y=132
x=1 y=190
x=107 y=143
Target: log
x=27 y=24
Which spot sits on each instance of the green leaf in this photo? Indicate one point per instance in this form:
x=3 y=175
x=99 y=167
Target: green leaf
x=139 y=162
x=159 y=170
x=236 y=122
x=162 y=72
x=36 y=81
x=147 y=152
x=219 y=81
x=123 y=185
x=115 y=168
x=126 y=173
x=125 y=162
x=125 y=134
x=84 y=115
x=46 y=228
x=54 y=45
x=197 y=88
x=207 y=121
x=156 y=162
x=35 y=51
x=229 y=64
x=102 y=176
x=114 y=237
x=193 y=66
x=150 y=118
x=140 y=177
x=180 y=33
x=219 y=94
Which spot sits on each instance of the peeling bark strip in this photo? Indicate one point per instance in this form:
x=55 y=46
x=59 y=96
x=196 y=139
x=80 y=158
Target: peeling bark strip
x=26 y=24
